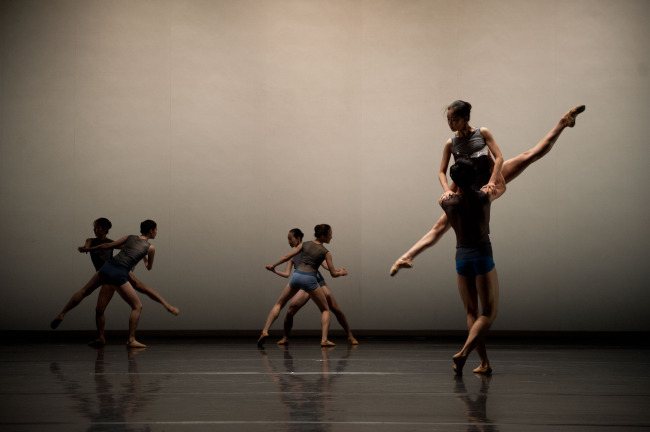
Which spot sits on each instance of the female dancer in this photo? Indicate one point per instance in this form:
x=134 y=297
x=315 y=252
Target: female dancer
x=114 y=274
x=301 y=298
x=304 y=278
x=468 y=212
x=473 y=143
x=99 y=257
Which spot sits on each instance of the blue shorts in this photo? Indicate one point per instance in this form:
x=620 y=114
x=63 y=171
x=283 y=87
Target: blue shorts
x=304 y=281
x=320 y=279
x=474 y=260
x=474 y=266
x=113 y=273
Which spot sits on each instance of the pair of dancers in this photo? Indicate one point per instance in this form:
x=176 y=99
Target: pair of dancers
x=478 y=178
x=113 y=273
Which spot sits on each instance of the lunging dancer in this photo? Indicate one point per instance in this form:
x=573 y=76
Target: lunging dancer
x=305 y=278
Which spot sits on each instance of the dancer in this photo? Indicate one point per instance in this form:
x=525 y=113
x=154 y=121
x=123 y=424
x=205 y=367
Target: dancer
x=467 y=143
x=468 y=212
x=304 y=278
x=101 y=227
x=295 y=237
x=114 y=276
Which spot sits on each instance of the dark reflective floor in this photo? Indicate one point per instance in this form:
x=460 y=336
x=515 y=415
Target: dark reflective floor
x=381 y=385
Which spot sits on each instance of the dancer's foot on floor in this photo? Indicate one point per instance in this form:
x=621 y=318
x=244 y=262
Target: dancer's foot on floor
x=459 y=362
x=399 y=264
x=173 y=310
x=262 y=339
x=56 y=321
x=97 y=343
x=327 y=343
x=570 y=117
x=353 y=341
x=483 y=370
x=283 y=341
x=135 y=344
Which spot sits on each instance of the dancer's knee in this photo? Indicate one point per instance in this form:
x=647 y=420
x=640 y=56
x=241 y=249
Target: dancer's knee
x=292 y=311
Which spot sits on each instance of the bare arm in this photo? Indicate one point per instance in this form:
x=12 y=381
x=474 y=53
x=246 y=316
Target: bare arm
x=498 y=159
x=287 y=270
x=112 y=245
x=285 y=258
x=85 y=247
x=148 y=260
x=499 y=189
x=444 y=165
x=330 y=266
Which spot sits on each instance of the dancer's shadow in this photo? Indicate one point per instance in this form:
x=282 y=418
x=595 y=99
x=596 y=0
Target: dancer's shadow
x=114 y=401
x=306 y=394
x=475 y=405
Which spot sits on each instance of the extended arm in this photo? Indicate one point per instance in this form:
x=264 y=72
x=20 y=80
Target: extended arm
x=85 y=247
x=287 y=270
x=112 y=245
x=285 y=258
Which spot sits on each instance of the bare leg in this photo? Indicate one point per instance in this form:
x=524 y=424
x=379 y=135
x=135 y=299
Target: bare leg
x=76 y=298
x=515 y=166
x=318 y=297
x=105 y=296
x=286 y=295
x=338 y=313
x=298 y=301
x=138 y=285
x=127 y=293
x=486 y=286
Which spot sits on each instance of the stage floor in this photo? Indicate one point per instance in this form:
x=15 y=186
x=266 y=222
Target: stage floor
x=381 y=385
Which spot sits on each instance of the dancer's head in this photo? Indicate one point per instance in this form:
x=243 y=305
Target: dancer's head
x=458 y=113
x=323 y=233
x=101 y=227
x=295 y=237
x=149 y=228
x=463 y=173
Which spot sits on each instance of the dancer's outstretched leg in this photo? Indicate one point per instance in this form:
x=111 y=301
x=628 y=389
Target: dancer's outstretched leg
x=140 y=286
x=76 y=298
x=298 y=301
x=340 y=316
x=286 y=295
x=127 y=293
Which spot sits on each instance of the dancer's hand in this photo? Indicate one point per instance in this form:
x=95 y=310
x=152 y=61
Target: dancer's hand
x=343 y=272
x=270 y=268
x=490 y=189
x=82 y=249
x=445 y=196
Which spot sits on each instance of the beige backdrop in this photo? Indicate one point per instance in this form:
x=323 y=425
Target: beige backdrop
x=230 y=122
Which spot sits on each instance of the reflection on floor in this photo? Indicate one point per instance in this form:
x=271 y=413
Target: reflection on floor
x=382 y=385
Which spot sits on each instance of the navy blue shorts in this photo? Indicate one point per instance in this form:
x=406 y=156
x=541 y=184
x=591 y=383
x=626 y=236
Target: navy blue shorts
x=320 y=279
x=113 y=273
x=474 y=260
x=304 y=281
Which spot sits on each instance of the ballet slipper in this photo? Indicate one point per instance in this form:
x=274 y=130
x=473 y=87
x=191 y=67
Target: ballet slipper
x=400 y=263
x=459 y=362
x=327 y=343
x=135 y=344
x=173 y=310
x=483 y=370
x=353 y=341
x=570 y=117
x=97 y=343
x=56 y=321
x=262 y=339
x=283 y=341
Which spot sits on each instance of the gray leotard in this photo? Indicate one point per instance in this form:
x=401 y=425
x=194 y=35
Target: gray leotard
x=296 y=261
x=474 y=148
x=133 y=250
x=313 y=255
x=100 y=256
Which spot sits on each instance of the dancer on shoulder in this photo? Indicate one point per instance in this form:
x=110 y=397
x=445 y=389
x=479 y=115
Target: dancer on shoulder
x=295 y=237
x=480 y=148
x=305 y=278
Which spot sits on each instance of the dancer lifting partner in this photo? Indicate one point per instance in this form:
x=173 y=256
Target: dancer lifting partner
x=101 y=227
x=295 y=237
x=305 y=278
x=468 y=212
x=476 y=144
